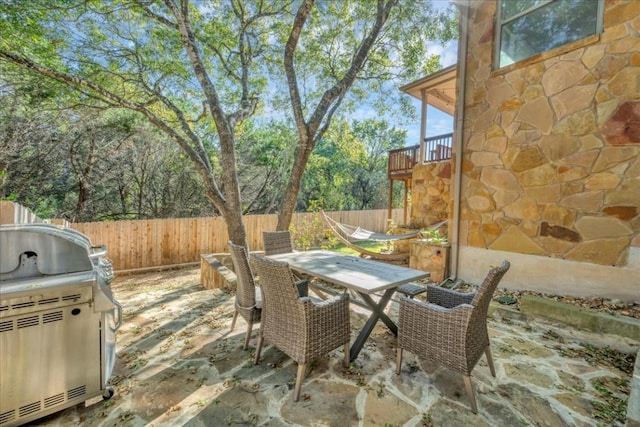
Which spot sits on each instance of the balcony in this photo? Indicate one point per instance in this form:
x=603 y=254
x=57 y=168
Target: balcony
x=401 y=160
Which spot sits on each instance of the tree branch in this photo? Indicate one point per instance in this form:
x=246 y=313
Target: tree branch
x=113 y=99
x=289 y=52
x=338 y=90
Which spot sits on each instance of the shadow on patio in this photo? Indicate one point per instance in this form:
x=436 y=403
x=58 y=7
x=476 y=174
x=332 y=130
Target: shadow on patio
x=178 y=364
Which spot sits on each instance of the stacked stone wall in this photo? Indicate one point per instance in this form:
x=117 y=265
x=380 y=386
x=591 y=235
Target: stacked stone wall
x=430 y=193
x=551 y=158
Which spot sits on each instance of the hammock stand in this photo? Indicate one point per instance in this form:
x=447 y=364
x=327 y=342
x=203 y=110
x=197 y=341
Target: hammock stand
x=348 y=234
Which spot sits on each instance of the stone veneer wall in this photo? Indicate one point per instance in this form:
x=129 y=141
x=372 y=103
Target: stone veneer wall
x=430 y=193
x=551 y=162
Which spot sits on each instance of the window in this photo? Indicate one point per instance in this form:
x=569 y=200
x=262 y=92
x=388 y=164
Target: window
x=528 y=27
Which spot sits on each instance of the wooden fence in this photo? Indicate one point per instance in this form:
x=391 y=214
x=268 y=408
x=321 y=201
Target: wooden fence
x=159 y=242
x=15 y=213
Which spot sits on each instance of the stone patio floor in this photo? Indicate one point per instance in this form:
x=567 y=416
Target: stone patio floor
x=178 y=365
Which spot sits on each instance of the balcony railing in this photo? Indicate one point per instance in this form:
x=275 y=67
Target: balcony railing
x=402 y=160
x=438 y=148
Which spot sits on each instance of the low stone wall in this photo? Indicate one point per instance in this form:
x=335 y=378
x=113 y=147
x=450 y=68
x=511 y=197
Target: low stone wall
x=550 y=275
x=591 y=320
x=216 y=271
x=431 y=257
x=404 y=245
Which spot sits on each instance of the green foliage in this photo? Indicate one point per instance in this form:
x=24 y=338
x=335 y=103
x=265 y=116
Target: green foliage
x=264 y=160
x=434 y=236
x=97 y=55
x=370 y=245
x=348 y=169
x=308 y=234
x=88 y=165
x=614 y=393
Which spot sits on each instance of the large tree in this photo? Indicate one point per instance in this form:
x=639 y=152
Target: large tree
x=87 y=164
x=198 y=70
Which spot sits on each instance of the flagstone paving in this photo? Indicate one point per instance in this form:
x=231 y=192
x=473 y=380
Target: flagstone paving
x=179 y=365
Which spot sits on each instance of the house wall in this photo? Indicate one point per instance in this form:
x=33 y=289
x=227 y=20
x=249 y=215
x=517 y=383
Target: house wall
x=551 y=160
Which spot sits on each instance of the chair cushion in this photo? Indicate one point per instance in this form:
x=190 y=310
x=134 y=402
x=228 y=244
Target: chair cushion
x=258 y=297
x=411 y=289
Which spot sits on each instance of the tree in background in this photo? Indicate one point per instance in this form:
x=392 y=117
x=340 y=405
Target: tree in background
x=371 y=182
x=265 y=155
x=198 y=71
x=348 y=168
x=87 y=165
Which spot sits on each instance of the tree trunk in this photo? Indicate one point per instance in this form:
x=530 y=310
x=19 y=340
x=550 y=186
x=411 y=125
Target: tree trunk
x=290 y=198
x=237 y=233
x=311 y=130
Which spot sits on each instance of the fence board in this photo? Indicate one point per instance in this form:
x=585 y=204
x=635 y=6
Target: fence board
x=157 y=242
x=15 y=213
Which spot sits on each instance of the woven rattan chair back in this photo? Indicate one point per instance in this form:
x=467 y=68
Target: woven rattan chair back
x=283 y=320
x=298 y=326
x=277 y=242
x=485 y=292
x=245 y=284
x=454 y=336
x=246 y=304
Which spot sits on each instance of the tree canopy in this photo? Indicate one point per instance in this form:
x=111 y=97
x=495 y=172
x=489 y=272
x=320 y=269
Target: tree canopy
x=201 y=72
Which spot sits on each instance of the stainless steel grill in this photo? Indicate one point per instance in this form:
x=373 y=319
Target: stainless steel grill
x=58 y=320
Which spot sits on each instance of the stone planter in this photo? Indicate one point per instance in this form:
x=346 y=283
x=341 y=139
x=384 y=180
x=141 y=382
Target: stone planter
x=430 y=256
x=401 y=246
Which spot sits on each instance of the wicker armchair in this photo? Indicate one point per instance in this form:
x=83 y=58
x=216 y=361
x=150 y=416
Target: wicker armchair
x=301 y=327
x=452 y=333
x=248 y=296
x=277 y=242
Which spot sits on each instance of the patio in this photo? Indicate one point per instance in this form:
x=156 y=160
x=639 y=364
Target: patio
x=179 y=365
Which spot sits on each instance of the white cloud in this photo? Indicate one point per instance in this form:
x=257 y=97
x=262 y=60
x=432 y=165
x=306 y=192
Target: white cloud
x=449 y=55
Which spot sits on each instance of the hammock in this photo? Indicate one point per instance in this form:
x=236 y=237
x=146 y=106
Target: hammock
x=359 y=234
x=356 y=234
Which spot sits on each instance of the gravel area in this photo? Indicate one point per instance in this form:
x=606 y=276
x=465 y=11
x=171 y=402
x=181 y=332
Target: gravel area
x=611 y=306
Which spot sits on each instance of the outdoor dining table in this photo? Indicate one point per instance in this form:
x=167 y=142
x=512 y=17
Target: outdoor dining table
x=365 y=277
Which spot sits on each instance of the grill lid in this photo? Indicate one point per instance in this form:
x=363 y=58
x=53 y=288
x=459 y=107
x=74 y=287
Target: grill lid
x=28 y=250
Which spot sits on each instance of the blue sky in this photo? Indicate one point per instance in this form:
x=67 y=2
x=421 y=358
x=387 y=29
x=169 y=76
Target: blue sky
x=438 y=122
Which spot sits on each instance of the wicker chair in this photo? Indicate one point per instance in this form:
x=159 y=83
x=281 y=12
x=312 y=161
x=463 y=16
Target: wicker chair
x=301 y=327
x=248 y=295
x=452 y=333
x=277 y=242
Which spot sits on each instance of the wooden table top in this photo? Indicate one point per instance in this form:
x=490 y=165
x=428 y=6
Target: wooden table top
x=362 y=275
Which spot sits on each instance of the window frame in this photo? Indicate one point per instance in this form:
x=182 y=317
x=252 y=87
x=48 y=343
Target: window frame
x=499 y=23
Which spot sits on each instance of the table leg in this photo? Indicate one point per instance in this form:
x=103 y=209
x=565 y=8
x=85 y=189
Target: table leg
x=378 y=309
x=377 y=312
